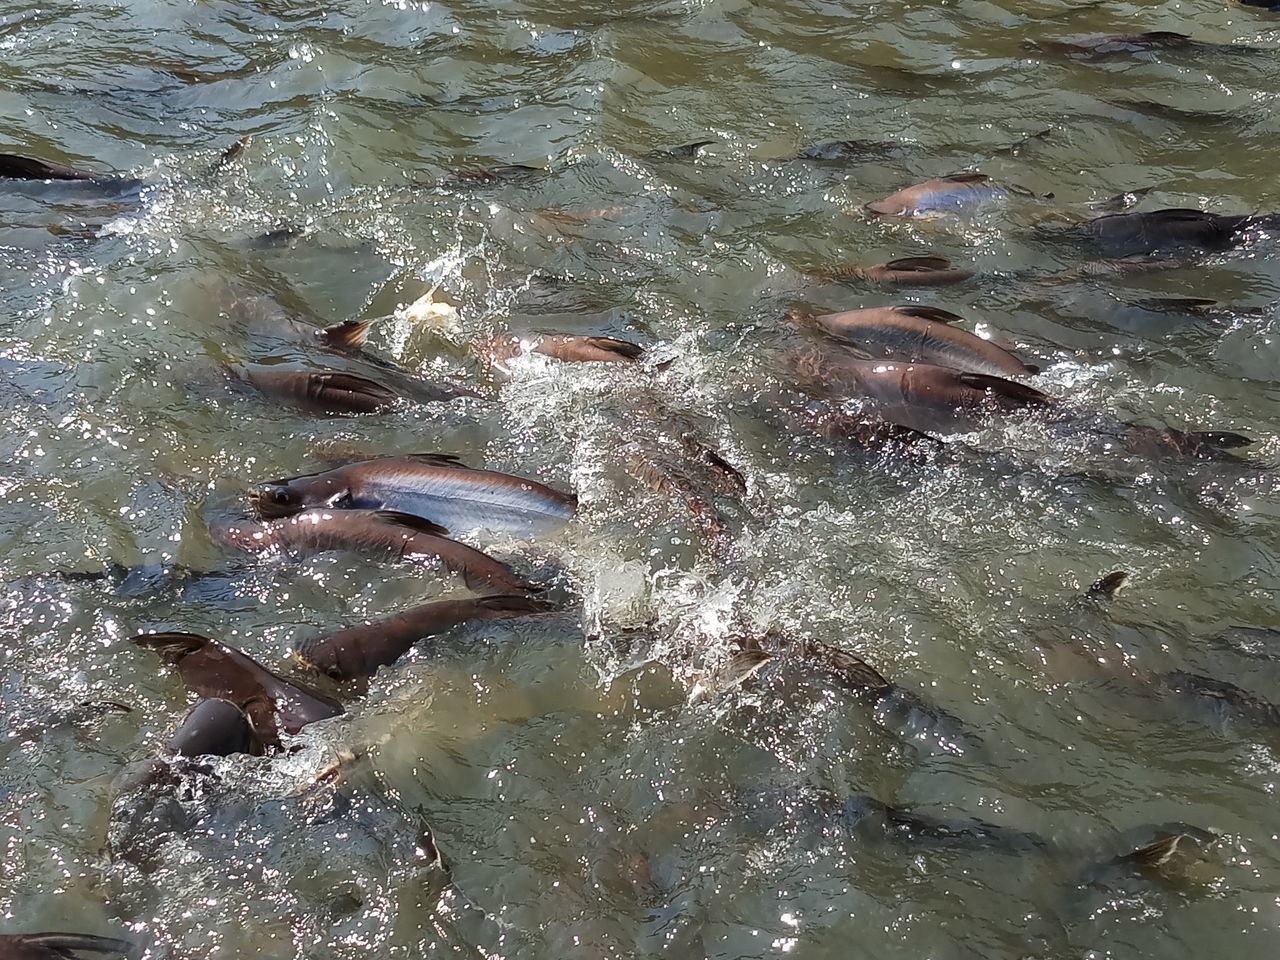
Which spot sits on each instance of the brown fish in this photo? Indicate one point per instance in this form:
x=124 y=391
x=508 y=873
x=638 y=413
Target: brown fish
x=327 y=392
x=15 y=167
x=918 y=395
x=695 y=476
x=378 y=534
x=927 y=271
x=499 y=349
x=360 y=651
x=212 y=669
x=214 y=727
x=867 y=433
x=432 y=486
x=58 y=946
x=917 y=334
x=1198 y=444
x=958 y=193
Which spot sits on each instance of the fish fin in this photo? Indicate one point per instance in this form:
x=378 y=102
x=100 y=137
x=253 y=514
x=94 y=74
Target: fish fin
x=172 y=647
x=928 y=313
x=347 y=335
x=623 y=348
x=64 y=943
x=1031 y=368
x=728 y=471
x=321 y=385
x=965 y=178
x=1121 y=201
x=1189 y=304
x=1104 y=588
x=848 y=667
x=1155 y=854
x=232 y=153
x=419 y=524
x=438 y=460
x=1008 y=389
x=683 y=151
x=929 y=262
x=744 y=664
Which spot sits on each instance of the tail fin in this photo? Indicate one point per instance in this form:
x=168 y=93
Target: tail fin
x=348 y=335
x=1106 y=587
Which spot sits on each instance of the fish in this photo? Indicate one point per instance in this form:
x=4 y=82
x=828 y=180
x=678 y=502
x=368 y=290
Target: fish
x=359 y=651
x=59 y=946
x=1197 y=444
x=694 y=474
x=214 y=727
x=434 y=487
x=867 y=432
x=496 y=350
x=957 y=193
x=498 y=173
x=214 y=670
x=830 y=151
x=1127 y=234
x=339 y=392
x=894 y=707
x=378 y=534
x=1122 y=44
x=925 y=271
x=921 y=396
x=1226 y=699
x=15 y=167
x=917 y=334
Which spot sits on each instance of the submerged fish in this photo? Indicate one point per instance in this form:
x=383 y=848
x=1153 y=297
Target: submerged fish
x=497 y=350
x=1198 y=444
x=59 y=946
x=360 y=651
x=213 y=669
x=338 y=392
x=917 y=334
x=1119 y=44
x=918 y=395
x=694 y=474
x=954 y=194
x=926 y=271
x=866 y=432
x=1227 y=700
x=378 y=534
x=432 y=486
x=214 y=727
x=1127 y=234
x=15 y=167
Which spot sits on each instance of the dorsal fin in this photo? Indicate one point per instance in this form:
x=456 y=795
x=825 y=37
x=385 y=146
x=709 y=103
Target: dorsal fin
x=936 y=314
x=1104 y=588
x=929 y=262
x=408 y=520
x=172 y=647
x=1157 y=853
x=965 y=178
x=437 y=460
x=347 y=335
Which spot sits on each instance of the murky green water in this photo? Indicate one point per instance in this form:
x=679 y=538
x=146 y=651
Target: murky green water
x=589 y=805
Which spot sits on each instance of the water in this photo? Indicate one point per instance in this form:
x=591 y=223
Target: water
x=589 y=805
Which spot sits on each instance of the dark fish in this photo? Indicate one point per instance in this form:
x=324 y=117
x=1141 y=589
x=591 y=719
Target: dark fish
x=379 y=534
x=916 y=334
x=1264 y=4
x=435 y=487
x=58 y=946
x=927 y=271
x=695 y=475
x=894 y=707
x=360 y=651
x=867 y=433
x=14 y=167
x=918 y=395
x=216 y=728
x=1101 y=45
x=1126 y=234
x=1198 y=444
x=498 y=173
x=212 y=669
x=954 y=194
x=1259 y=642
x=1225 y=699
x=845 y=150
x=568 y=348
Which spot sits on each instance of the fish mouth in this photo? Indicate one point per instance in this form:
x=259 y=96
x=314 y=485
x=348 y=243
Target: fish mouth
x=266 y=506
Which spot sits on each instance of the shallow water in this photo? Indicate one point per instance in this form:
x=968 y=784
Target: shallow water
x=592 y=798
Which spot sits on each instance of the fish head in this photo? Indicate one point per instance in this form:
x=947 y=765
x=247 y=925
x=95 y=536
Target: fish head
x=284 y=498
